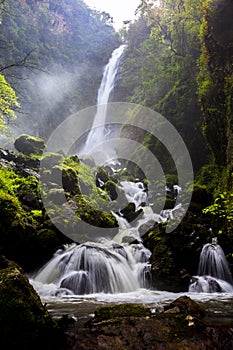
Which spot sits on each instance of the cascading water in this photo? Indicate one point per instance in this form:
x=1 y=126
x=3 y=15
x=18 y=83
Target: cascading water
x=118 y=266
x=213 y=271
x=99 y=132
x=94 y=268
x=108 y=266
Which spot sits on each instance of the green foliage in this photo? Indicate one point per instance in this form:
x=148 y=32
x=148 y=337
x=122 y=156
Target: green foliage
x=160 y=68
x=55 y=52
x=215 y=84
x=12 y=188
x=222 y=212
x=8 y=101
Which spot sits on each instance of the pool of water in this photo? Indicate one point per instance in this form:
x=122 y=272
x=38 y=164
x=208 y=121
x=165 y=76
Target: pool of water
x=218 y=306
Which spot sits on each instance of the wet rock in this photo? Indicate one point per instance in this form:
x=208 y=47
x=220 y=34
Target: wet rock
x=133 y=327
x=130 y=213
x=57 y=196
x=102 y=175
x=31 y=200
x=111 y=188
x=122 y=310
x=51 y=159
x=186 y=306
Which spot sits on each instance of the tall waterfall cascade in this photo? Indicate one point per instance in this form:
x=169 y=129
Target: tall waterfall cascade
x=213 y=271
x=99 y=131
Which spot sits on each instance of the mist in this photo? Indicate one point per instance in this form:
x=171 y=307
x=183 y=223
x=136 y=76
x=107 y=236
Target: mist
x=50 y=97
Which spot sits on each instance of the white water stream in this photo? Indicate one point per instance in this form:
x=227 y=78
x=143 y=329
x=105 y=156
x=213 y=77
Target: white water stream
x=100 y=130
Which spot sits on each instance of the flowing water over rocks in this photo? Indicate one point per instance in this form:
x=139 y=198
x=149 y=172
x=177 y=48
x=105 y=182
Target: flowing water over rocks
x=81 y=277
x=213 y=271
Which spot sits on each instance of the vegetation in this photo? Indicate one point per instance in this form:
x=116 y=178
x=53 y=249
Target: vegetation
x=178 y=62
x=52 y=53
x=8 y=102
x=160 y=68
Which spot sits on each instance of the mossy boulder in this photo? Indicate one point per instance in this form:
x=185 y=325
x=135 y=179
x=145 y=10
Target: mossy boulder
x=29 y=144
x=121 y=310
x=50 y=159
x=24 y=321
x=102 y=175
x=111 y=187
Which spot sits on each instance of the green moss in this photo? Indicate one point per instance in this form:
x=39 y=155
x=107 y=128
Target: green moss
x=28 y=144
x=121 y=310
x=50 y=159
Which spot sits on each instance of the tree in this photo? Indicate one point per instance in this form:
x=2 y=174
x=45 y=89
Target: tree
x=8 y=102
x=160 y=66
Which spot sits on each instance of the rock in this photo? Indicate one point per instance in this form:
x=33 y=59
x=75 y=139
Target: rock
x=24 y=321
x=200 y=198
x=29 y=144
x=57 y=196
x=122 y=310
x=111 y=188
x=67 y=177
x=102 y=175
x=186 y=306
x=31 y=200
x=133 y=327
x=51 y=159
x=130 y=213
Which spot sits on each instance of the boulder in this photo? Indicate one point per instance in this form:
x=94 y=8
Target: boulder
x=29 y=144
x=24 y=321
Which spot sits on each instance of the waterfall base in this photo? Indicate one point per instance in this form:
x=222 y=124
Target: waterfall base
x=96 y=268
x=209 y=284
x=213 y=271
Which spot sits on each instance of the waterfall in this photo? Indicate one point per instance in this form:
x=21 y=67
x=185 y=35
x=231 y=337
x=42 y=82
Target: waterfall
x=213 y=271
x=107 y=266
x=121 y=264
x=94 y=268
x=99 y=130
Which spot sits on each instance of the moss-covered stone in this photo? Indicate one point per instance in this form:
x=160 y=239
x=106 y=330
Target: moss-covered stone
x=24 y=321
x=50 y=159
x=102 y=175
x=28 y=144
x=121 y=310
x=111 y=188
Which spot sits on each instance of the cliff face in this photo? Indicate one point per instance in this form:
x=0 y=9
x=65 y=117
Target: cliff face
x=216 y=78
x=60 y=48
x=216 y=99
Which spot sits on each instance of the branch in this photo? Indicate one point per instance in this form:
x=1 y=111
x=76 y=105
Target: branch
x=21 y=63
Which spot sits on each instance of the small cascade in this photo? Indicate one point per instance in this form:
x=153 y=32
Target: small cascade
x=135 y=192
x=112 y=266
x=88 y=268
x=120 y=265
x=213 y=271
